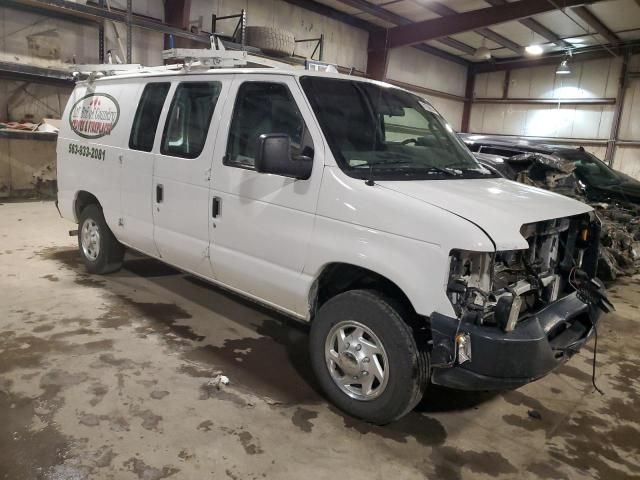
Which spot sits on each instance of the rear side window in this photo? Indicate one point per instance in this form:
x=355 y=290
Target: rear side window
x=264 y=107
x=185 y=131
x=499 y=151
x=145 y=122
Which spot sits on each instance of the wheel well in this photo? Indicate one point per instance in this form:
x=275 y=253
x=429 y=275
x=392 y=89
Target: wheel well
x=337 y=278
x=82 y=200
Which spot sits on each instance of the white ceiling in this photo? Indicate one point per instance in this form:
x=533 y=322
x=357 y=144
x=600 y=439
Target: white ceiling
x=622 y=17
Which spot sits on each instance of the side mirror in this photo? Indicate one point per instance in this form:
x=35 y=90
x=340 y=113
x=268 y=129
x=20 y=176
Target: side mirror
x=274 y=156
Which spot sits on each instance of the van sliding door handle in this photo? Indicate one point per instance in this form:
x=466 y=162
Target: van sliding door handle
x=215 y=207
x=159 y=193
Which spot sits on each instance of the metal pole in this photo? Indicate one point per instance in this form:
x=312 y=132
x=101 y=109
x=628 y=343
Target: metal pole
x=321 y=54
x=468 y=100
x=243 y=28
x=101 y=36
x=129 y=37
x=617 y=115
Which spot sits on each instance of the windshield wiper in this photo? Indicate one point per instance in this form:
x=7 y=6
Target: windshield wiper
x=446 y=171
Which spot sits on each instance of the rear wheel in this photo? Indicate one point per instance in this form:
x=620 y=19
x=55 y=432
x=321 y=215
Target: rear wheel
x=101 y=252
x=365 y=357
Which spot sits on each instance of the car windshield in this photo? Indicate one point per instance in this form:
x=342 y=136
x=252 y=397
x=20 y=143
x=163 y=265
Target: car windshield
x=385 y=133
x=591 y=170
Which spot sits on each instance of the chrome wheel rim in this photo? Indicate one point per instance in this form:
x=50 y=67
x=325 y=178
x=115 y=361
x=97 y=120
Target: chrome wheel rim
x=90 y=239
x=356 y=360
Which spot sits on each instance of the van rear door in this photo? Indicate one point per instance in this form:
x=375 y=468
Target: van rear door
x=182 y=171
x=137 y=168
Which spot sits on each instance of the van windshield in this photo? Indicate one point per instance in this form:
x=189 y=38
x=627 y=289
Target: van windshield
x=387 y=134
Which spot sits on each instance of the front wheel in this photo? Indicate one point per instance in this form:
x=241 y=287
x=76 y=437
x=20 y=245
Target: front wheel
x=100 y=250
x=365 y=357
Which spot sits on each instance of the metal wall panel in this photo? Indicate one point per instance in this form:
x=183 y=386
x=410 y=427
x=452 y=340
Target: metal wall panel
x=412 y=66
x=69 y=39
x=343 y=44
x=627 y=160
x=630 y=121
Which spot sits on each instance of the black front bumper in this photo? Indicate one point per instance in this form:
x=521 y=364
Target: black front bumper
x=505 y=360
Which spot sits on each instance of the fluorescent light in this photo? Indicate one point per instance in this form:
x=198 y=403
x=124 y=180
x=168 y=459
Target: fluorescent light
x=563 y=68
x=534 y=50
x=482 y=53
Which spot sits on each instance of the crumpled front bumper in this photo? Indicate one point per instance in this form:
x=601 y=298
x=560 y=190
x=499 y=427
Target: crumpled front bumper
x=506 y=360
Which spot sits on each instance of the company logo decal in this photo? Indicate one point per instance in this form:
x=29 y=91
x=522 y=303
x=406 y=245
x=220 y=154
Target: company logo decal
x=94 y=115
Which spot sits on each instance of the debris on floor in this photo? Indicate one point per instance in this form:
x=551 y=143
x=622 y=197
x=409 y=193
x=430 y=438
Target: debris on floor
x=217 y=381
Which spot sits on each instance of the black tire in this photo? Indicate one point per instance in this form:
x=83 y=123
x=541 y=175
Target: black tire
x=272 y=41
x=110 y=253
x=408 y=365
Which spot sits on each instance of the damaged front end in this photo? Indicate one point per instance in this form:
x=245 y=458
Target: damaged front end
x=519 y=313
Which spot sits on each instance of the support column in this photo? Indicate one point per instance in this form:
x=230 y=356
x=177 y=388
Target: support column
x=377 y=58
x=617 y=115
x=468 y=100
x=176 y=14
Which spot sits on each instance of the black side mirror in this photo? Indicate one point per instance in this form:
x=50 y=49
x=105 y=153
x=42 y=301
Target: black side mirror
x=274 y=156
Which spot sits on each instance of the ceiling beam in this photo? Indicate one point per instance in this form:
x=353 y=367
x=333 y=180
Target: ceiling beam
x=536 y=26
x=343 y=17
x=444 y=11
x=441 y=27
x=334 y=14
x=580 y=55
x=595 y=23
x=395 y=19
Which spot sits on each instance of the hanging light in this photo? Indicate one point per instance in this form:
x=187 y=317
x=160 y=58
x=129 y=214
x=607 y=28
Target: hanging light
x=534 y=49
x=563 y=68
x=482 y=53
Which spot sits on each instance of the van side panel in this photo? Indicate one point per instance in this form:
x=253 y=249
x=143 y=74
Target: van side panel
x=355 y=224
x=94 y=133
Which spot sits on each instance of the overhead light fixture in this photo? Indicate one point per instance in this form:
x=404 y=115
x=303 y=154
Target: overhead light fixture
x=534 y=49
x=482 y=53
x=563 y=68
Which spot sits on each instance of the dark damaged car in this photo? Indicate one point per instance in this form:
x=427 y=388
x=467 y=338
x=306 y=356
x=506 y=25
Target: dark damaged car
x=579 y=174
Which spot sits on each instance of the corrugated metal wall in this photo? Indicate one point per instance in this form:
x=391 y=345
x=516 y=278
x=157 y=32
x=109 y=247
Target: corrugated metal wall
x=414 y=67
x=591 y=79
x=594 y=79
x=343 y=44
x=627 y=159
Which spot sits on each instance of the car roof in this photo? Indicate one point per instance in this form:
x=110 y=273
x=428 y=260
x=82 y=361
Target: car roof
x=515 y=143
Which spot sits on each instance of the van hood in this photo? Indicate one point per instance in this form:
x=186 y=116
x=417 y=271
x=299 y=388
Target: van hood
x=496 y=205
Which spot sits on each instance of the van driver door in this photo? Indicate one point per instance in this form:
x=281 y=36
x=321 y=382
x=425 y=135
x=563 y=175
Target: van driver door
x=262 y=223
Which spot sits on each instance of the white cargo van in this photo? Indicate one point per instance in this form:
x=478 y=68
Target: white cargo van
x=347 y=203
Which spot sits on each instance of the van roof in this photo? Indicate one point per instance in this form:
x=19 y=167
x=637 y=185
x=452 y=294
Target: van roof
x=298 y=72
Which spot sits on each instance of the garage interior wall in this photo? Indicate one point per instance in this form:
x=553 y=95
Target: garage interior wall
x=414 y=67
x=593 y=79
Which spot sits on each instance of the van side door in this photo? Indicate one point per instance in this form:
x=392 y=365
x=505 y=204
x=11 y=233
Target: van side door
x=182 y=171
x=137 y=169
x=262 y=223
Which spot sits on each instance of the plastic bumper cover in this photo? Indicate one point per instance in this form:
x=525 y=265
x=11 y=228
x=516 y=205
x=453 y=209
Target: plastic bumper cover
x=504 y=360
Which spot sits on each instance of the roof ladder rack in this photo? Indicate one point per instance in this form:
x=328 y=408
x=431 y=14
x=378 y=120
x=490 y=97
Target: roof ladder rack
x=215 y=57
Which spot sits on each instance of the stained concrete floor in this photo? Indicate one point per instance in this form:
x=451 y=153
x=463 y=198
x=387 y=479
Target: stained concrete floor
x=110 y=378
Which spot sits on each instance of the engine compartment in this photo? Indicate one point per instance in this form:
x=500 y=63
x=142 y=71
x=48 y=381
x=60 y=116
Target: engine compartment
x=504 y=287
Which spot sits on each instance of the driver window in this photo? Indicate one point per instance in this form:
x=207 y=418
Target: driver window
x=264 y=107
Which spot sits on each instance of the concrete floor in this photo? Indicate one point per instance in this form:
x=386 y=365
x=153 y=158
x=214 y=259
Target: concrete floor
x=110 y=378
